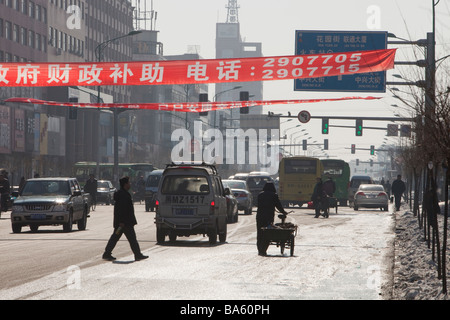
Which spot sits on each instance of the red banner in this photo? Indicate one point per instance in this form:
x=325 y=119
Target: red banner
x=194 y=71
x=182 y=107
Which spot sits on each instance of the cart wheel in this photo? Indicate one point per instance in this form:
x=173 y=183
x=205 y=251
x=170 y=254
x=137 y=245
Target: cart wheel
x=292 y=245
x=282 y=245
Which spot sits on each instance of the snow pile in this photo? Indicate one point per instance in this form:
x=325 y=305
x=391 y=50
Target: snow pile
x=415 y=273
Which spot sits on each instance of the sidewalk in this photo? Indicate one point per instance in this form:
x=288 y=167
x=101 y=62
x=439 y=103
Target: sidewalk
x=415 y=273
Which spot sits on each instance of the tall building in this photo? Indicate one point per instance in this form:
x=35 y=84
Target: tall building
x=23 y=38
x=46 y=139
x=229 y=44
x=153 y=129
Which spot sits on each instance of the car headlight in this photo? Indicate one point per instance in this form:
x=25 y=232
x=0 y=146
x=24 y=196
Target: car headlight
x=17 y=208
x=59 y=207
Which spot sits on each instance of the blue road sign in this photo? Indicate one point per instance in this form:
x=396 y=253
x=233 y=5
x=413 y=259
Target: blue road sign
x=322 y=42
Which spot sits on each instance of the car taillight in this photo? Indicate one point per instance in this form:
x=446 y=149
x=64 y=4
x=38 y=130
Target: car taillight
x=382 y=194
x=211 y=208
x=360 y=193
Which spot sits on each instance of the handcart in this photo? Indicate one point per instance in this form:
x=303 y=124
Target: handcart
x=333 y=203
x=282 y=234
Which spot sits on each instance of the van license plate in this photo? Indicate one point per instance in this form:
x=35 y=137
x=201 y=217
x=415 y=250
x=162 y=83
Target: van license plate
x=184 y=212
x=38 y=217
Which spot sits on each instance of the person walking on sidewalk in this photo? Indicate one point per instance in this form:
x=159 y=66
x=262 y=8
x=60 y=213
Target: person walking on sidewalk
x=398 y=187
x=124 y=222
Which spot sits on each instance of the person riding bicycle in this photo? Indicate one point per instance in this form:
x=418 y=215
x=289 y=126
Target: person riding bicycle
x=91 y=188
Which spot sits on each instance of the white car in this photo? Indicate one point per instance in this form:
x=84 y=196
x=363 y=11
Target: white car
x=371 y=196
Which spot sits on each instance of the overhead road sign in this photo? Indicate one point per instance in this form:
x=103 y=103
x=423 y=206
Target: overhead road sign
x=304 y=116
x=327 y=42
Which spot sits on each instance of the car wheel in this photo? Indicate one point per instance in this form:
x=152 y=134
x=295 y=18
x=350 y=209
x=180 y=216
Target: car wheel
x=223 y=235
x=172 y=237
x=34 y=228
x=67 y=227
x=213 y=235
x=355 y=208
x=82 y=223
x=16 y=228
x=160 y=236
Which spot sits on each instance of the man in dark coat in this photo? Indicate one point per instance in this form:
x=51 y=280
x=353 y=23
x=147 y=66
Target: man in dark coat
x=317 y=196
x=267 y=202
x=124 y=222
x=398 y=187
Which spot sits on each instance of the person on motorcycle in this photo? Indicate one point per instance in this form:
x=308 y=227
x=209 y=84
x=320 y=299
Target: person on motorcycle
x=4 y=190
x=91 y=188
x=139 y=194
x=317 y=196
x=329 y=187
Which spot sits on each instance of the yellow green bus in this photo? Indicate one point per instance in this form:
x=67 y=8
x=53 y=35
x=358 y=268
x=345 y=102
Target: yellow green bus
x=339 y=171
x=297 y=178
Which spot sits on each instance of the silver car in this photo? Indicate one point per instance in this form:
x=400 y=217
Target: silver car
x=241 y=193
x=371 y=196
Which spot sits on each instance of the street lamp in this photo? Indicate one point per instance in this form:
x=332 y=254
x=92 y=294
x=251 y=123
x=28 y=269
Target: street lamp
x=99 y=54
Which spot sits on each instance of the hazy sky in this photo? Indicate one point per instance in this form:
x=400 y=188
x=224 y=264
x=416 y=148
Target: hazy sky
x=186 y=23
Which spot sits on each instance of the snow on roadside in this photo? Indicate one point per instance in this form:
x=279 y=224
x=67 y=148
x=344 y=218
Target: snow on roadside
x=415 y=273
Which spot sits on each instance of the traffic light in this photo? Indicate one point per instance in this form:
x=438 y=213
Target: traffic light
x=73 y=111
x=353 y=148
x=371 y=162
x=305 y=145
x=244 y=96
x=357 y=162
x=359 y=127
x=372 y=150
x=325 y=144
x=325 y=126
x=203 y=97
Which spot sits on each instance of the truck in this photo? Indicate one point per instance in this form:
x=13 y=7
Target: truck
x=50 y=201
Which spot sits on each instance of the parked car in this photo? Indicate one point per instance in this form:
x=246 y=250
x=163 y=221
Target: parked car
x=240 y=176
x=105 y=192
x=354 y=184
x=151 y=188
x=256 y=182
x=242 y=194
x=371 y=196
x=50 y=201
x=232 y=206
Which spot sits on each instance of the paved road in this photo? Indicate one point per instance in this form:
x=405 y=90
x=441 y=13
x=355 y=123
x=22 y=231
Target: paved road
x=347 y=256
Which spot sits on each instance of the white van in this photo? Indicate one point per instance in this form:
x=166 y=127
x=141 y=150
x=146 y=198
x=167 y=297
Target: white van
x=191 y=200
x=353 y=186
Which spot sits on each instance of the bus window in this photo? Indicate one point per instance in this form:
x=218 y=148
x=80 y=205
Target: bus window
x=300 y=166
